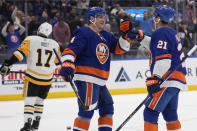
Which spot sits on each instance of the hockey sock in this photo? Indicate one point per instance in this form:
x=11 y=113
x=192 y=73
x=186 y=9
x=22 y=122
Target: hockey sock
x=38 y=108
x=29 y=108
x=150 y=127
x=105 y=123
x=173 y=126
x=81 y=125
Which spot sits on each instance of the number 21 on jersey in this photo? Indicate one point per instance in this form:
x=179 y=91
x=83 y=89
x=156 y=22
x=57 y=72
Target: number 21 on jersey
x=162 y=44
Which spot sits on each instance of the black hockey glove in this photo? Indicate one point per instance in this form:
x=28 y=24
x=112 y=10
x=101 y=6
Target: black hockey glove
x=5 y=68
x=152 y=84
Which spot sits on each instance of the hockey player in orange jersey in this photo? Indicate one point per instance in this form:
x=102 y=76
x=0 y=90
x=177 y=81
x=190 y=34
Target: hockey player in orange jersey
x=166 y=54
x=87 y=60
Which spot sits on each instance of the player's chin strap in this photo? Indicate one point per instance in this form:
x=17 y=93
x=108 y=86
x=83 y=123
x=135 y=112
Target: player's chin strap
x=85 y=107
x=166 y=78
x=94 y=23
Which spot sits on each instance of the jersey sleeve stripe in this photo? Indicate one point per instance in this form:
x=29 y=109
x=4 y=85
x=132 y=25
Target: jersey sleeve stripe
x=69 y=51
x=19 y=55
x=165 y=56
x=68 y=57
x=93 y=71
x=118 y=50
x=176 y=75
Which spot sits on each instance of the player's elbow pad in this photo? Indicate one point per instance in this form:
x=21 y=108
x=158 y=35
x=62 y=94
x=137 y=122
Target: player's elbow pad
x=124 y=44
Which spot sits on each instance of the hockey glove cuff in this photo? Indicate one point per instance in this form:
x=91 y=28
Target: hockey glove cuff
x=67 y=70
x=125 y=26
x=140 y=35
x=153 y=85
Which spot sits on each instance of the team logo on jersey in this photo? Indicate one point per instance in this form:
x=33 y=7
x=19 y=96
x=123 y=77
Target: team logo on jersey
x=102 y=52
x=122 y=76
x=14 y=38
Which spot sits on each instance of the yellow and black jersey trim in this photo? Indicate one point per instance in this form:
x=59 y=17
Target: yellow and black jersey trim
x=38 y=81
x=25 y=47
x=38 y=74
x=19 y=55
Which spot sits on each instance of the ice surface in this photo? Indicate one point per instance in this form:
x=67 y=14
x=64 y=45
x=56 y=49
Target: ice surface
x=60 y=113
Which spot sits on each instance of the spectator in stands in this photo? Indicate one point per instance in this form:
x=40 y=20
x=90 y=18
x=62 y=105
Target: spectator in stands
x=195 y=25
x=33 y=25
x=2 y=43
x=82 y=6
x=188 y=14
x=186 y=36
x=53 y=20
x=74 y=20
x=61 y=33
x=17 y=16
x=12 y=36
x=107 y=27
x=146 y=24
x=38 y=7
x=161 y=1
x=115 y=12
x=6 y=9
x=66 y=5
x=44 y=17
x=195 y=32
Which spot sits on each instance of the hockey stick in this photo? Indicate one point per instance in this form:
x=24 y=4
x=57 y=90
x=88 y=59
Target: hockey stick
x=144 y=101
x=24 y=72
x=75 y=89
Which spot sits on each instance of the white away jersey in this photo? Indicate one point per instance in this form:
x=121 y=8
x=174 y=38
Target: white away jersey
x=40 y=59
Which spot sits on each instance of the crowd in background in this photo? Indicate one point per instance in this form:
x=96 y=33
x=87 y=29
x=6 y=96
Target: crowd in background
x=19 y=19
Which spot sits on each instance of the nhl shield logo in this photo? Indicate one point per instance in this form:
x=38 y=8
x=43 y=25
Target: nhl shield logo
x=102 y=52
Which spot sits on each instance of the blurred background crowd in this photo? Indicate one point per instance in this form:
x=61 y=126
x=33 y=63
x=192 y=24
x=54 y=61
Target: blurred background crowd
x=20 y=18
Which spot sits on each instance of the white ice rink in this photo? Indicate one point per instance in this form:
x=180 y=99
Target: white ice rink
x=60 y=113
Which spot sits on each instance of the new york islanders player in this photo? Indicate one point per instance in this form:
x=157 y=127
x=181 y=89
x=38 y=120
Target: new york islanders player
x=166 y=50
x=87 y=58
x=39 y=74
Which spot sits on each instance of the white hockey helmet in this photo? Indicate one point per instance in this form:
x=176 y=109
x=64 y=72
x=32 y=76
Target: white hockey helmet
x=45 y=29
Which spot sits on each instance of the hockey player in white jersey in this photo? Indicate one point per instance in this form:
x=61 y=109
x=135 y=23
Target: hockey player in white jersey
x=41 y=62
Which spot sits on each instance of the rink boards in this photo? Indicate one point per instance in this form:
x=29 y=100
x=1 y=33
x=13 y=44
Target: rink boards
x=126 y=77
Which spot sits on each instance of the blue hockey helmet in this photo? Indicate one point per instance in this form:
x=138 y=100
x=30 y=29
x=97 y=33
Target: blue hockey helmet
x=165 y=12
x=94 y=11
